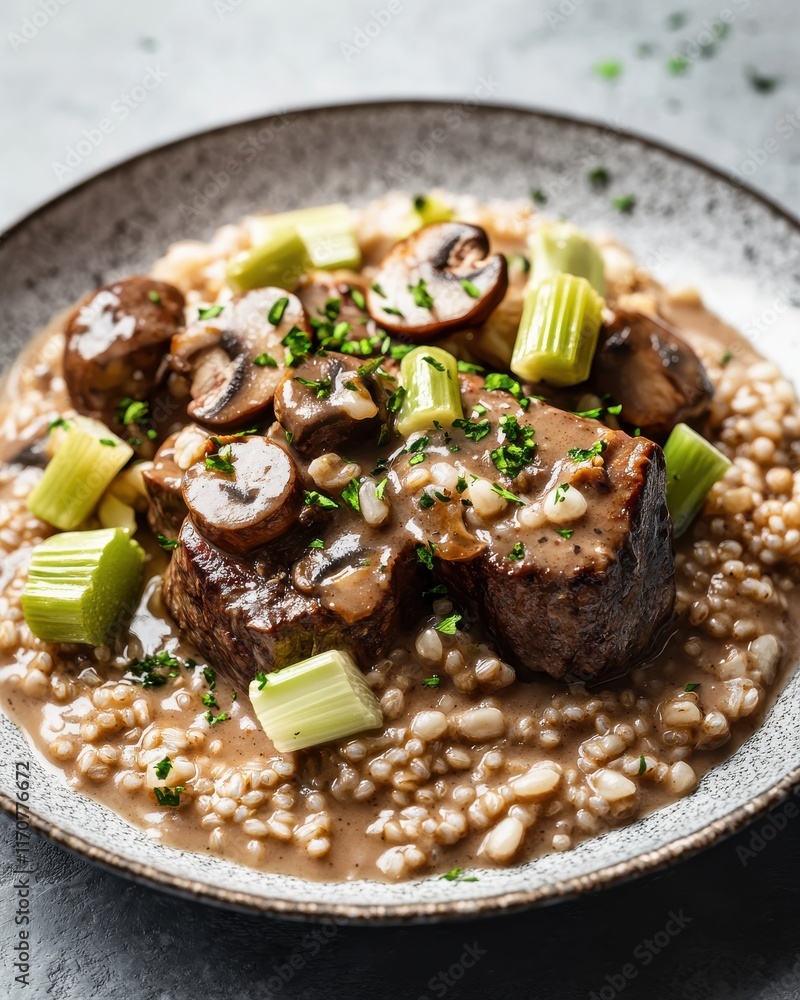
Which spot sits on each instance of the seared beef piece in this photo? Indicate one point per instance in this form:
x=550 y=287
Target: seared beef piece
x=167 y=509
x=246 y=615
x=583 y=599
x=647 y=367
x=324 y=402
x=234 y=357
x=117 y=342
x=329 y=304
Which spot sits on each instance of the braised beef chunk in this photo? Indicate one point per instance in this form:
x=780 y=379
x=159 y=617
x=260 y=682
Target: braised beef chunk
x=234 y=355
x=117 y=341
x=247 y=616
x=647 y=367
x=166 y=510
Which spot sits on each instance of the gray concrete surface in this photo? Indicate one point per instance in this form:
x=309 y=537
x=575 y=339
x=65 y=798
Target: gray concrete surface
x=156 y=71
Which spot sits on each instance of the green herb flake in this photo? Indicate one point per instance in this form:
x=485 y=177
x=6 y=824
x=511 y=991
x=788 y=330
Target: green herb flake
x=297 y=344
x=624 y=203
x=395 y=401
x=154 y=296
x=210 y=678
x=162 y=768
x=457 y=874
x=692 y=686
x=317 y=543
x=380 y=489
x=265 y=361
x=433 y=363
x=426 y=501
x=213 y=720
x=760 y=83
x=108 y=442
x=431 y=682
x=168 y=796
x=608 y=69
x=209 y=312
x=468 y=368
x=222 y=461
x=332 y=308
x=60 y=423
x=449 y=625
x=262 y=680
x=422 y=297
x=131 y=411
x=275 y=315
x=474 y=430
x=677 y=65
x=209 y=700
x=726 y=359
x=642 y=764
x=358 y=297
x=313 y=499
x=565 y=532
x=370 y=367
x=599 y=177
x=321 y=386
x=587 y=454
x=538 y=197
x=424 y=554
x=393 y=311
x=377 y=289
x=350 y=496
x=461 y=484
x=501 y=491
x=517 y=553
x=168 y=544
x=155 y=669
x=472 y=290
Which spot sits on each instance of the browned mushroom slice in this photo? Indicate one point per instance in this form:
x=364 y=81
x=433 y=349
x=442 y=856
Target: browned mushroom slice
x=235 y=355
x=643 y=364
x=439 y=279
x=117 y=342
x=325 y=401
x=163 y=482
x=244 y=494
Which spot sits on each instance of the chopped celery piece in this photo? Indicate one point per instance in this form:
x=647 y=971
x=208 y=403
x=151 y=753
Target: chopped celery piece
x=87 y=459
x=290 y=243
x=561 y=248
x=317 y=700
x=430 y=379
x=693 y=466
x=427 y=209
x=558 y=331
x=80 y=584
x=114 y=513
x=280 y=260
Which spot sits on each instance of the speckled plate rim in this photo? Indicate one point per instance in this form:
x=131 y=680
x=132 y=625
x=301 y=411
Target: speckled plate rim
x=504 y=902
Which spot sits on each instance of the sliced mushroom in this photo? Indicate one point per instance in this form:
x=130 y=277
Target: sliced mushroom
x=439 y=279
x=235 y=356
x=117 y=342
x=325 y=401
x=643 y=364
x=245 y=494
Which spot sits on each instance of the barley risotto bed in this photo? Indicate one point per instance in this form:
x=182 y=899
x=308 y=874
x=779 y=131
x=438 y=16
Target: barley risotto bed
x=494 y=743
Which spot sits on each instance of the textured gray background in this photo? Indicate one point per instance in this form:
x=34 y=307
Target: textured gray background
x=210 y=61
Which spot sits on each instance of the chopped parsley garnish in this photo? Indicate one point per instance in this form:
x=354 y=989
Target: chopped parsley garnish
x=420 y=444
x=599 y=177
x=511 y=458
x=760 y=83
x=162 y=768
x=262 y=680
x=561 y=493
x=642 y=764
x=317 y=543
x=442 y=497
x=221 y=462
x=210 y=678
x=265 y=361
x=475 y=430
x=377 y=289
x=313 y=499
x=726 y=359
x=154 y=296
x=380 y=489
x=608 y=69
x=60 y=423
x=440 y=590
x=472 y=290
x=275 y=315
x=297 y=344
x=416 y=459
x=321 y=386
x=131 y=411
x=586 y=454
x=449 y=625
x=693 y=686
x=393 y=311
x=624 y=203
x=457 y=875
x=538 y=197
x=565 y=532
x=370 y=367
x=433 y=363
x=469 y=368
x=212 y=719
x=431 y=682
x=496 y=381
x=677 y=65
x=517 y=553
x=168 y=796
x=422 y=297
x=332 y=308
x=395 y=401
x=209 y=312
x=358 y=297
x=425 y=554
x=108 y=442
x=350 y=496
x=519 y=260
x=426 y=501
x=461 y=484
x=501 y=491
x=155 y=669
x=168 y=544
x=210 y=700
x=599 y=412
